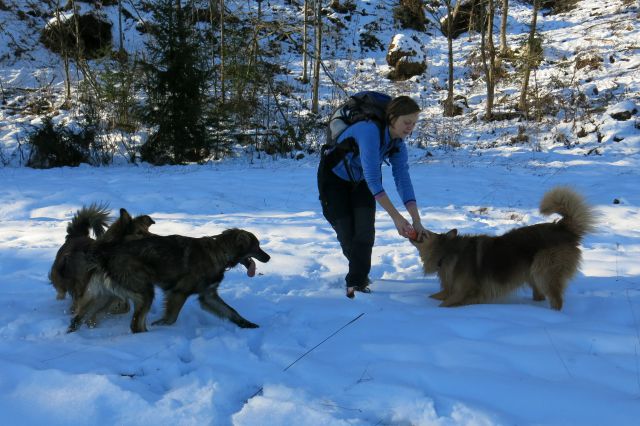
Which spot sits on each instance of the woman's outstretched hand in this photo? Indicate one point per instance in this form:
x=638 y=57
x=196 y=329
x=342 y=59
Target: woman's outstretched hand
x=419 y=230
x=402 y=226
x=412 y=232
x=406 y=230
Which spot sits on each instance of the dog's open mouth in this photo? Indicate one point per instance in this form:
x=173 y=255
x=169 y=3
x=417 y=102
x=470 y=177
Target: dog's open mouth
x=250 y=265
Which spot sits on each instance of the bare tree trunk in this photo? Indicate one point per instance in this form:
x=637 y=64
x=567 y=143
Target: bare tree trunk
x=81 y=63
x=449 y=110
x=213 y=46
x=491 y=83
x=522 y=105
x=76 y=26
x=222 y=88
x=253 y=62
x=489 y=59
x=305 y=75
x=504 y=49
x=318 y=57
x=79 y=48
x=4 y=95
x=65 y=57
x=120 y=33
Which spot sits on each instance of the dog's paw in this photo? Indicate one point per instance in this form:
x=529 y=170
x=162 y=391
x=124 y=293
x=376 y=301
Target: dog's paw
x=74 y=325
x=248 y=324
x=163 y=321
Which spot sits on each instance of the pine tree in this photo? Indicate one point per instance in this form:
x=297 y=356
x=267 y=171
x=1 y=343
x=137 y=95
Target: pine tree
x=177 y=88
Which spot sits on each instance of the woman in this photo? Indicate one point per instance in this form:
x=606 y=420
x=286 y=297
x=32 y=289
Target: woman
x=351 y=185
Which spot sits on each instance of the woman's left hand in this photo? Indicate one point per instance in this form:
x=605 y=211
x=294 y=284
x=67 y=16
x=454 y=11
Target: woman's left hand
x=402 y=225
x=417 y=226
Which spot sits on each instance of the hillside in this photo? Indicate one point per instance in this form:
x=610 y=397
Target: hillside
x=589 y=71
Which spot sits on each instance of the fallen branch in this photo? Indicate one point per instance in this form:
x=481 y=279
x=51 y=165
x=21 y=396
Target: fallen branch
x=312 y=349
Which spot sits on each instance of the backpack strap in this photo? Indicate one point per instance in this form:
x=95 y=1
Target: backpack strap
x=348 y=145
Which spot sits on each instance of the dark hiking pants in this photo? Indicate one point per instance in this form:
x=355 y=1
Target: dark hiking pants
x=350 y=209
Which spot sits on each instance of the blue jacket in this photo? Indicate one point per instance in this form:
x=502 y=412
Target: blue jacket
x=368 y=164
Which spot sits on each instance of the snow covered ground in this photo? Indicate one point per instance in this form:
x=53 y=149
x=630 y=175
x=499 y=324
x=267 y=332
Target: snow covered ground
x=404 y=361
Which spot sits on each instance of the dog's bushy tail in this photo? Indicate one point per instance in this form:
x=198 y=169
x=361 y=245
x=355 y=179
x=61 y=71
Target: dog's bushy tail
x=576 y=214
x=89 y=218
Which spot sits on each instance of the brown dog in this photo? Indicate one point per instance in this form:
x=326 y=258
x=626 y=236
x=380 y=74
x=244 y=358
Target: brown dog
x=180 y=265
x=69 y=262
x=481 y=268
x=69 y=272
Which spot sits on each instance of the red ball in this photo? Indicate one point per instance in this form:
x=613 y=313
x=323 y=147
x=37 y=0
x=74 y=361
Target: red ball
x=412 y=234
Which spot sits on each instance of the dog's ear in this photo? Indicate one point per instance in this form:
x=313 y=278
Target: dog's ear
x=243 y=238
x=452 y=234
x=125 y=216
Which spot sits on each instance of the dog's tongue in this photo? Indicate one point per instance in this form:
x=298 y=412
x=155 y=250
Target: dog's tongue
x=251 y=268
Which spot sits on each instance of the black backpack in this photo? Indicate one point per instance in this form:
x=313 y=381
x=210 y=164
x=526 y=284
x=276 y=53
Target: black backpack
x=367 y=105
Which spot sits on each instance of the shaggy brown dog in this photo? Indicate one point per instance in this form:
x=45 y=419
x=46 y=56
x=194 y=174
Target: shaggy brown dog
x=180 y=265
x=69 y=272
x=480 y=268
x=69 y=262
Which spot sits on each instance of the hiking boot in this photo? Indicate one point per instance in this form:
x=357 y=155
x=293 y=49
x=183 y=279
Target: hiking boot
x=351 y=291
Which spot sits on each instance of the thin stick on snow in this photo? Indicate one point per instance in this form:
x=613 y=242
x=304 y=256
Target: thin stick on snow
x=558 y=353
x=334 y=333
x=313 y=348
x=635 y=323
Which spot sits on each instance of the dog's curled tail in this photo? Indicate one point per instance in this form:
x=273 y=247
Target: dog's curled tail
x=576 y=214
x=93 y=217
